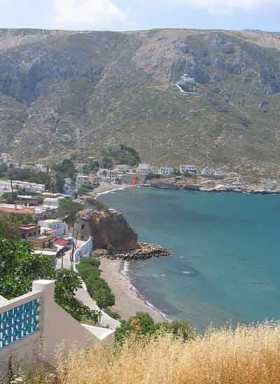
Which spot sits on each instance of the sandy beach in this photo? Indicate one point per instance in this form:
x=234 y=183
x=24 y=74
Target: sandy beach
x=128 y=302
x=105 y=188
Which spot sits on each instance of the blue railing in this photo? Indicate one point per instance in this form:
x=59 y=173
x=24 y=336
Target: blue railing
x=19 y=322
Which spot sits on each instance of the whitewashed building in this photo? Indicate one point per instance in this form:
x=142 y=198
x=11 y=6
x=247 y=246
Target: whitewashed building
x=41 y=167
x=190 y=170
x=122 y=168
x=212 y=173
x=26 y=186
x=52 y=202
x=144 y=169
x=58 y=227
x=166 y=171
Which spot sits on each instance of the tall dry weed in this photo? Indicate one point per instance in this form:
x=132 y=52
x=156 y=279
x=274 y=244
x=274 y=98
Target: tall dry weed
x=247 y=355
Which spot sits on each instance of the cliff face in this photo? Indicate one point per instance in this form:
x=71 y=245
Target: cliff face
x=109 y=229
x=176 y=96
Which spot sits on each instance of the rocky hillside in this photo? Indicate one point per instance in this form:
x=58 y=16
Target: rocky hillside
x=205 y=97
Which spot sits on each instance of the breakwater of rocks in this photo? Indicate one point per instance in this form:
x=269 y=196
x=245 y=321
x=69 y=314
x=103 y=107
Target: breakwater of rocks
x=143 y=251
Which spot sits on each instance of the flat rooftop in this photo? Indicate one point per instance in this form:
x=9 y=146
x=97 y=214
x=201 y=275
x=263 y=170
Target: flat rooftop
x=29 y=226
x=12 y=209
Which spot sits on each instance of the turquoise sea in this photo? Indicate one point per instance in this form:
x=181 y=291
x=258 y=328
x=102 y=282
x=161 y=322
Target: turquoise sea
x=225 y=263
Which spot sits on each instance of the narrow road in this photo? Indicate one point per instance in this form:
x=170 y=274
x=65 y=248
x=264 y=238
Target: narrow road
x=82 y=294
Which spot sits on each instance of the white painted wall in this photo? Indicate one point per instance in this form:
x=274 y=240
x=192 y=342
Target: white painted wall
x=57 y=330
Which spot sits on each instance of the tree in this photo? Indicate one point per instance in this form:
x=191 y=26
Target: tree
x=68 y=210
x=11 y=175
x=58 y=182
x=84 y=189
x=10 y=197
x=92 y=166
x=3 y=169
x=68 y=282
x=63 y=170
x=28 y=175
x=107 y=163
x=19 y=267
x=66 y=168
x=122 y=154
x=9 y=225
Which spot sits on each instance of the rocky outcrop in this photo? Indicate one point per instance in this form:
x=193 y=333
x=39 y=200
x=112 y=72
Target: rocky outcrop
x=109 y=229
x=169 y=183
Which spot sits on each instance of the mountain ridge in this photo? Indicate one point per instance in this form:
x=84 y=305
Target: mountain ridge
x=176 y=95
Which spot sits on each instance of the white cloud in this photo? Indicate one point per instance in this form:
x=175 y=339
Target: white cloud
x=231 y=5
x=222 y=6
x=88 y=14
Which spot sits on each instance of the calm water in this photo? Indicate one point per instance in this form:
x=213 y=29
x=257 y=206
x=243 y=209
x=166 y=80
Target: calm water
x=225 y=263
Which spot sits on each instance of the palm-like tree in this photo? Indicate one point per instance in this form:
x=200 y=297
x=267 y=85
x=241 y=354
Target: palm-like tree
x=68 y=210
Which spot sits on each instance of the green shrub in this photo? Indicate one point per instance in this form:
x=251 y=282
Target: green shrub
x=96 y=286
x=143 y=326
x=112 y=314
x=19 y=267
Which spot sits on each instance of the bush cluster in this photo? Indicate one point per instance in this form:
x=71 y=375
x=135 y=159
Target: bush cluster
x=120 y=154
x=96 y=286
x=142 y=326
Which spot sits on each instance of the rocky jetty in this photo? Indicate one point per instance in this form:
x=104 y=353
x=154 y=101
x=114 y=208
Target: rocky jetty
x=143 y=251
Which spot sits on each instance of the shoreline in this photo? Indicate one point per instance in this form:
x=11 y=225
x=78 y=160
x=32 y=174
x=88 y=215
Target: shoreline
x=111 y=188
x=104 y=189
x=129 y=300
x=218 y=188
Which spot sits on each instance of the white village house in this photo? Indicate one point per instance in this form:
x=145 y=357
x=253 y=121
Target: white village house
x=166 y=171
x=18 y=185
x=58 y=227
x=143 y=169
x=190 y=170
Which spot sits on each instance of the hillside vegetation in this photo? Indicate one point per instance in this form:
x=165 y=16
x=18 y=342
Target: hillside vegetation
x=248 y=355
x=176 y=96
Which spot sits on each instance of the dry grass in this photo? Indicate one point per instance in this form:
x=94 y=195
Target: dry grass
x=248 y=355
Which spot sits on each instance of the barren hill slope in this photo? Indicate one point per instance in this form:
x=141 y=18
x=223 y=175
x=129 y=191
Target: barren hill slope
x=205 y=97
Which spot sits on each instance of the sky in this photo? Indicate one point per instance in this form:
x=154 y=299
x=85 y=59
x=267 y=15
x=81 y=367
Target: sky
x=140 y=14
